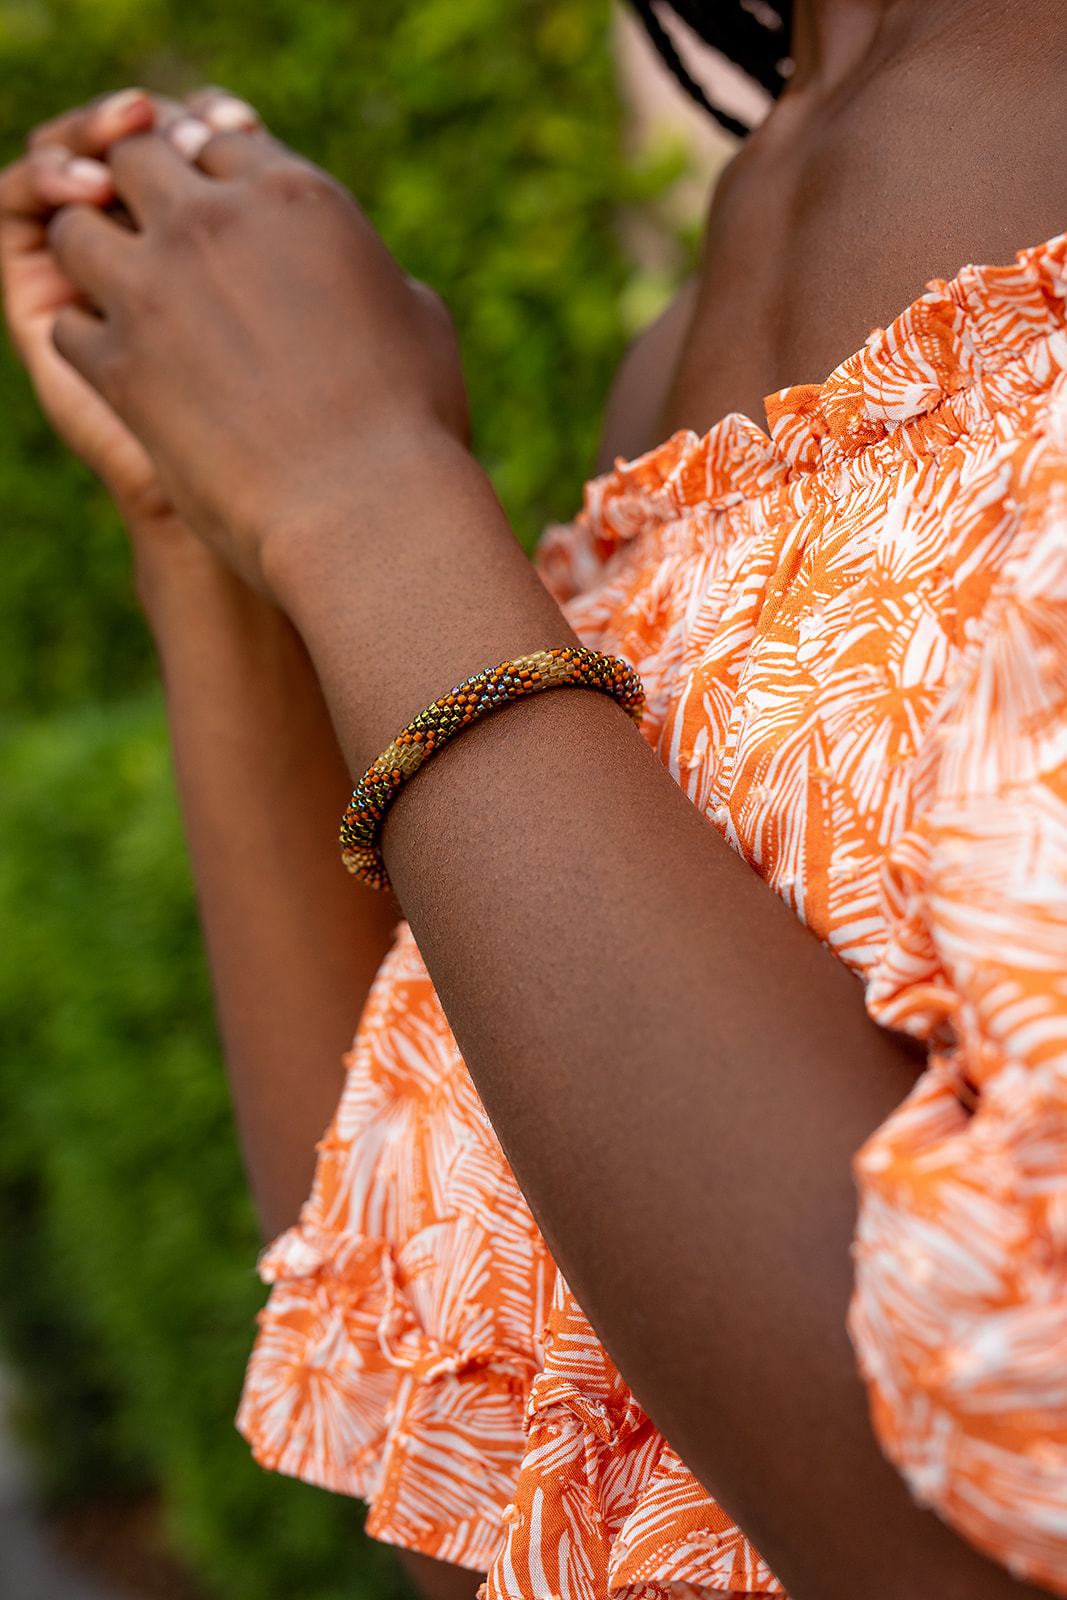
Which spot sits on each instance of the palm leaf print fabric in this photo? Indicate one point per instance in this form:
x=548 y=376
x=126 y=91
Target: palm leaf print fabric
x=853 y=633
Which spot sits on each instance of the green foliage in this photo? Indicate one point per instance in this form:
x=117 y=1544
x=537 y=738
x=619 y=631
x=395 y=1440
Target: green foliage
x=128 y=1240
x=481 y=137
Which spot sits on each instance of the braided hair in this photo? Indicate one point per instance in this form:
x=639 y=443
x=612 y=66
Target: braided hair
x=753 y=34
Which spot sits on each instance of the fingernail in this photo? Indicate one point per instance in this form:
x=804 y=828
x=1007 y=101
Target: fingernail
x=118 y=105
x=84 y=170
x=228 y=114
x=189 y=136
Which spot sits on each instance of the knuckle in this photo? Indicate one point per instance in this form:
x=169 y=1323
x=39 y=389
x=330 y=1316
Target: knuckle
x=296 y=183
x=200 y=218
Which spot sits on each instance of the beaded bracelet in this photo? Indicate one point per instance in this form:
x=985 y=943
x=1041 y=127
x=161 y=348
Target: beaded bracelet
x=362 y=823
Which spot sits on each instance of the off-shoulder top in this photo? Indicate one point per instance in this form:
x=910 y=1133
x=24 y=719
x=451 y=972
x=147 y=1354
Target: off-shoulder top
x=852 y=628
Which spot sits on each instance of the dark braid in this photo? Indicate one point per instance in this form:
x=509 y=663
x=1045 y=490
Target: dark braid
x=755 y=36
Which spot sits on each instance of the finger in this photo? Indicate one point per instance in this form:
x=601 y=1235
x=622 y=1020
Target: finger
x=92 y=251
x=90 y=130
x=190 y=123
x=222 y=111
x=79 y=338
x=186 y=132
x=238 y=155
x=30 y=192
x=49 y=177
x=149 y=174
x=189 y=136
x=101 y=124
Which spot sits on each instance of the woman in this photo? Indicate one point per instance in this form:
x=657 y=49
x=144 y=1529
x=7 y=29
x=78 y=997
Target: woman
x=852 y=636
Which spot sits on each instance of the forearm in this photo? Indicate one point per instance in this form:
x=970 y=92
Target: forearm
x=292 y=948
x=679 y=1073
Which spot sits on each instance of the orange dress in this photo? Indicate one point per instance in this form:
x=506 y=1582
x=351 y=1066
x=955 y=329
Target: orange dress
x=853 y=634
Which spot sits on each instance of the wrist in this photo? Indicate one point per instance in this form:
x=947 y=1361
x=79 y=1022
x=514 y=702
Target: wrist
x=173 y=571
x=366 y=508
x=404 y=585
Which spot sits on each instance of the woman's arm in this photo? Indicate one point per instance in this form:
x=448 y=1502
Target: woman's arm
x=292 y=949
x=644 y=1019
x=646 y=1023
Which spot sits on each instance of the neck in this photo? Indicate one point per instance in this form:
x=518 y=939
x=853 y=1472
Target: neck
x=836 y=41
x=832 y=37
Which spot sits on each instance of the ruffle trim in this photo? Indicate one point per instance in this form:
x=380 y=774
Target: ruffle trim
x=346 y=1390
x=919 y=382
x=669 y=1542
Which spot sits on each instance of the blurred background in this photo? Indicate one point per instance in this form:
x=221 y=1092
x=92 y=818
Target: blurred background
x=533 y=161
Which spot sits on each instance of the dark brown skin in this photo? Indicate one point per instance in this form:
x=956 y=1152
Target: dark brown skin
x=702 y=1056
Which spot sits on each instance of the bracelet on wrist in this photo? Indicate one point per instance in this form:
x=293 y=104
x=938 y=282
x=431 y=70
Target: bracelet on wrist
x=566 y=666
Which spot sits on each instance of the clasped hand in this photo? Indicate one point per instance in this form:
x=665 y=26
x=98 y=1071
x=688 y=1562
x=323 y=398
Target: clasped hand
x=256 y=337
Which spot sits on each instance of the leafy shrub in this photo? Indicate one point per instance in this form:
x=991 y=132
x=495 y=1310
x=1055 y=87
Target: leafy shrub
x=128 y=1242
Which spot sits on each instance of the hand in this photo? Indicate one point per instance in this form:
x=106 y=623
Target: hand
x=61 y=166
x=256 y=336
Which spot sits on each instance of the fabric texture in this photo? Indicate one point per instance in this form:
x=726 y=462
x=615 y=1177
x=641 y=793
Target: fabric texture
x=853 y=634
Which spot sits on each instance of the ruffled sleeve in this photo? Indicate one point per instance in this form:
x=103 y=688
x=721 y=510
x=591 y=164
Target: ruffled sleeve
x=960 y=1308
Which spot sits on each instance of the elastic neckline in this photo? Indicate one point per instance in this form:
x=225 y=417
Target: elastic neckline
x=957 y=333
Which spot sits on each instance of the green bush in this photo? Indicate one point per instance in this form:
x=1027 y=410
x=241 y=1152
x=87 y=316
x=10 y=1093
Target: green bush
x=128 y=1242
x=481 y=136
